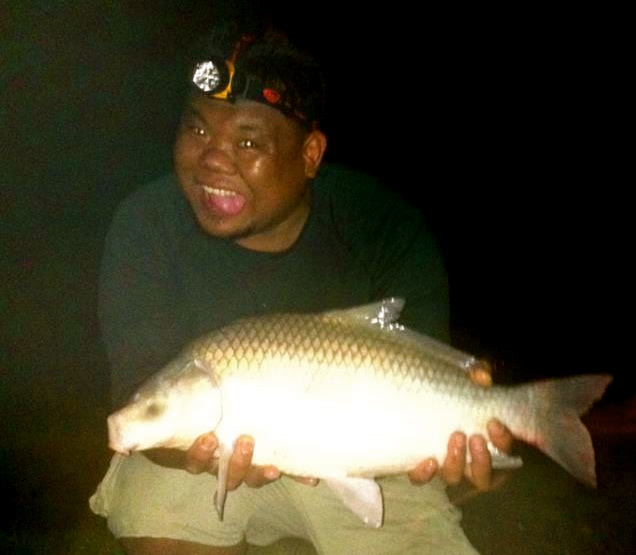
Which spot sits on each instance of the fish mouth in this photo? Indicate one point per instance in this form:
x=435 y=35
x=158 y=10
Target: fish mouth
x=123 y=449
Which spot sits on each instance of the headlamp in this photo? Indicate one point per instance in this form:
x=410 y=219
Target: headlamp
x=214 y=77
x=218 y=78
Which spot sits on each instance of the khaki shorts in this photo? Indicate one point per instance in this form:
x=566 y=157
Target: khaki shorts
x=140 y=498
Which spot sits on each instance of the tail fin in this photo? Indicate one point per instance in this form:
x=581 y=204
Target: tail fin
x=559 y=433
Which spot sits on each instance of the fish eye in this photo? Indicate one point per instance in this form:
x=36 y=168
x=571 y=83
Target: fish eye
x=153 y=410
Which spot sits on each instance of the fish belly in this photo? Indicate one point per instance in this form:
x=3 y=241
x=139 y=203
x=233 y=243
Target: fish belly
x=325 y=421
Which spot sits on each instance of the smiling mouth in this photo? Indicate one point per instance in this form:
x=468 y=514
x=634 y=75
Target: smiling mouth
x=223 y=201
x=219 y=192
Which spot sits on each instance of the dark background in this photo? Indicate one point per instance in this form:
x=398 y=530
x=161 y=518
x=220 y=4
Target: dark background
x=504 y=127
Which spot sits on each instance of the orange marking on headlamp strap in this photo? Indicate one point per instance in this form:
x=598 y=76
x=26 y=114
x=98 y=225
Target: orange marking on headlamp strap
x=227 y=91
x=239 y=46
x=272 y=96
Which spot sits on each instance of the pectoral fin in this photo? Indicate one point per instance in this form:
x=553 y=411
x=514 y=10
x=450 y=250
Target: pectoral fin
x=225 y=453
x=502 y=460
x=362 y=495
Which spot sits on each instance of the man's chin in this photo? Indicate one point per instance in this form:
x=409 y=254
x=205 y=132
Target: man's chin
x=214 y=229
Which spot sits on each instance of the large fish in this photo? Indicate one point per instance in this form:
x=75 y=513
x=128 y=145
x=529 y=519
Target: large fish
x=346 y=396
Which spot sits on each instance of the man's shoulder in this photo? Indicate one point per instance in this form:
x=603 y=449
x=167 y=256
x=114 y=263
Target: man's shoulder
x=356 y=197
x=156 y=195
x=355 y=188
x=344 y=180
x=156 y=211
x=159 y=202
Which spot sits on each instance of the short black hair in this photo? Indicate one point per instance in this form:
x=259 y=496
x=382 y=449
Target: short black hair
x=277 y=63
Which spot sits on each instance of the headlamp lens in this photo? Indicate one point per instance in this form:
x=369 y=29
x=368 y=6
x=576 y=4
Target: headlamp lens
x=210 y=76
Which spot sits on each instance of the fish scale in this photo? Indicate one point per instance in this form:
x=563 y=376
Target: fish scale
x=346 y=396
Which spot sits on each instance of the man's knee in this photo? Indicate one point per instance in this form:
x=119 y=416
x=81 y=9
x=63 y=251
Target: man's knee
x=164 y=546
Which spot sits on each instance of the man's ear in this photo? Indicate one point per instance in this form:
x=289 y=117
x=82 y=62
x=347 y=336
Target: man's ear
x=314 y=148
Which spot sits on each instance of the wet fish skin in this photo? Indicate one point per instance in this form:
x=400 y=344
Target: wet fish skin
x=346 y=396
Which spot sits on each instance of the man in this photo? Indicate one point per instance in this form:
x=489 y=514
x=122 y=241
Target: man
x=250 y=223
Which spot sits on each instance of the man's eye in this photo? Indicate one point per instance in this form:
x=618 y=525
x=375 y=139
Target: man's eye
x=247 y=143
x=195 y=129
x=192 y=125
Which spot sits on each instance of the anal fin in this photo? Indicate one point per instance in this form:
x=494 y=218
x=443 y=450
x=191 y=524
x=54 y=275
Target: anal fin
x=362 y=495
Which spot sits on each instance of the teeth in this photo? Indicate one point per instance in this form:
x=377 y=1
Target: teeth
x=220 y=192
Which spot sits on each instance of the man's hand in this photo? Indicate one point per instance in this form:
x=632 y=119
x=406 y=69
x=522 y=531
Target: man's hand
x=479 y=471
x=199 y=458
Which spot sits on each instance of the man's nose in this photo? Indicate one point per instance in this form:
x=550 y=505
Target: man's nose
x=217 y=156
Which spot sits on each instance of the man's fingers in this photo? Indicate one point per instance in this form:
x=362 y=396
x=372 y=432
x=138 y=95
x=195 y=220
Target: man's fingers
x=199 y=458
x=258 y=476
x=423 y=472
x=500 y=436
x=241 y=469
x=455 y=461
x=306 y=480
x=481 y=373
x=480 y=470
x=240 y=462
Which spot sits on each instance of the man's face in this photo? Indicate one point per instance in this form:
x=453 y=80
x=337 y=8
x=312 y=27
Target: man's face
x=245 y=170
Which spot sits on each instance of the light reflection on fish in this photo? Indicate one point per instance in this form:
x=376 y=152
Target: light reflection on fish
x=346 y=396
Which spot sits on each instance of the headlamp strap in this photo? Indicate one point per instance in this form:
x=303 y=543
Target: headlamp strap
x=239 y=46
x=218 y=79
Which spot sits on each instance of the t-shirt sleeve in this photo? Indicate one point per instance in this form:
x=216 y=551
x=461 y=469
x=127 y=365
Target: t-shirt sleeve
x=397 y=249
x=135 y=300
x=411 y=267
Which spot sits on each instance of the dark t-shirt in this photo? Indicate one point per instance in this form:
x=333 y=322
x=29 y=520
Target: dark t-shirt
x=164 y=281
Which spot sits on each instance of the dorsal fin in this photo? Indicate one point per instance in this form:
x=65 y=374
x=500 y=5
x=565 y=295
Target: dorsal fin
x=383 y=314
